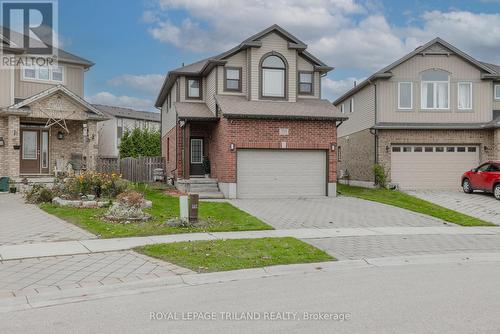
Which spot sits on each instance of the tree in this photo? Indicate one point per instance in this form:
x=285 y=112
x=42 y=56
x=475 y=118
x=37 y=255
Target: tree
x=140 y=143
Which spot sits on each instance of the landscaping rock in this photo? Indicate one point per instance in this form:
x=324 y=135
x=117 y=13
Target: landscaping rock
x=121 y=212
x=79 y=203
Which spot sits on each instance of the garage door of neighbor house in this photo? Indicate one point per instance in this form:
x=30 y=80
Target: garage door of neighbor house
x=281 y=173
x=431 y=167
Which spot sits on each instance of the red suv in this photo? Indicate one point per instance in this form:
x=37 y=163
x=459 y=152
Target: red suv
x=485 y=177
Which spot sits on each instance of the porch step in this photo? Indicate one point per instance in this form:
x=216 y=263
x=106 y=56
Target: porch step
x=210 y=195
x=201 y=180
x=204 y=187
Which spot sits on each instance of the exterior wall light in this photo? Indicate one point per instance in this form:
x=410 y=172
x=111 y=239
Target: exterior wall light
x=232 y=147
x=60 y=135
x=2 y=142
x=333 y=146
x=387 y=149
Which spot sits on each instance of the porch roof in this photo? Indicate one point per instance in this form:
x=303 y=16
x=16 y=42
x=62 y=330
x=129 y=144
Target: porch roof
x=303 y=109
x=22 y=108
x=192 y=111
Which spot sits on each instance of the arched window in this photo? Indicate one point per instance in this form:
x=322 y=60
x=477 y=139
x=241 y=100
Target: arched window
x=273 y=74
x=435 y=89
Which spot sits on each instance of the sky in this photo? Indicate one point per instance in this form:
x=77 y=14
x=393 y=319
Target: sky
x=134 y=43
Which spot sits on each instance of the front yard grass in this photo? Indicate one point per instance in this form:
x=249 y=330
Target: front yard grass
x=219 y=215
x=223 y=255
x=412 y=203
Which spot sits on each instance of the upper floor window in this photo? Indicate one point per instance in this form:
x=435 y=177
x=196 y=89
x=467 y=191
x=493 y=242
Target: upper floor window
x=465 y=95
x=342 y=108
x=497 y=92
x=55 y=74
x=273 y=76
x=435 y=89
x=405 y=95
x=232 y=79
x=193 y=88
x=306 y=83
x=351 y=105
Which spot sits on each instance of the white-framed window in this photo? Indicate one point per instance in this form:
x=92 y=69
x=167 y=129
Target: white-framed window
x=351 y=105
x=497 y=92
x=465 y=95
x=405 y=95
x=342 y=108
x=273 y=77
x=306 y=82
x=35 y=73
x=435 y=90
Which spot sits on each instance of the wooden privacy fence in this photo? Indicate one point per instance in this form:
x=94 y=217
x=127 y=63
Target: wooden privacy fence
x=133 y=169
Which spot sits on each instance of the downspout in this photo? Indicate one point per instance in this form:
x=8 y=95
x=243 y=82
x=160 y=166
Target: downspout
x=373 y=131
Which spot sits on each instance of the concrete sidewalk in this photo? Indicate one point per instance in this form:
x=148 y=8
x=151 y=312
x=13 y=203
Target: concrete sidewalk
x=38 y=250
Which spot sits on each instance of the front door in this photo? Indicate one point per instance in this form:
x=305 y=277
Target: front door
x=196 y=157
x=34 y=154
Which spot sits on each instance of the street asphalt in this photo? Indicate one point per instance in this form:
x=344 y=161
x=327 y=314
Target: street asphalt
x=419 y=298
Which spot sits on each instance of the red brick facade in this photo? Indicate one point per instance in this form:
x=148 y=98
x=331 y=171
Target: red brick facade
x=252 y=133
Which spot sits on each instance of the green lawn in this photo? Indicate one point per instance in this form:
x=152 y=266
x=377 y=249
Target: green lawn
x=412 y=203
x=222 y=255
x=221 y=217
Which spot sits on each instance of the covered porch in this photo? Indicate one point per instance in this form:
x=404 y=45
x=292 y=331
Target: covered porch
x=52 y=132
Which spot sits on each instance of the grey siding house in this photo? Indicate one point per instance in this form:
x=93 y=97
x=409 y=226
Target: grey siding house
x=426 y=118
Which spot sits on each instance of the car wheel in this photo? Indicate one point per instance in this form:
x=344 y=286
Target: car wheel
x=496 y=191
x=467 y=187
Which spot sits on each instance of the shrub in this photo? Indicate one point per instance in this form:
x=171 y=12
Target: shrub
x=39 y=193
x=131 y=199
x=92 y=183
x=380 y=175
x=140 y=143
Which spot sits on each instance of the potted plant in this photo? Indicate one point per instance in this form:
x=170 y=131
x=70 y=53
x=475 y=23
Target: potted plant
x=206 y=166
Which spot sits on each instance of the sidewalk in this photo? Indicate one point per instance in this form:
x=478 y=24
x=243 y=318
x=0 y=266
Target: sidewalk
x=38 y=250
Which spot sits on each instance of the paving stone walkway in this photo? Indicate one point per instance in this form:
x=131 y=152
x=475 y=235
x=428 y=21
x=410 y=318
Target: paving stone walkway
x=25 y=223
x=480 y=205
x=331 y=213
x=354 y=248
x=39 y=275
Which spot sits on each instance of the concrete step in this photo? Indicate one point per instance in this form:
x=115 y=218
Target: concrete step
x=200 y=180
x=210 y=195
x=204 y=190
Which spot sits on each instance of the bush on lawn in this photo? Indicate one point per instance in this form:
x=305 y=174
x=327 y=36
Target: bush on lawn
x=93 y=183
x=39 y=193
x=380 y=175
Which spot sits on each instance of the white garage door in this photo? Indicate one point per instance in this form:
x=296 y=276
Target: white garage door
x=281 y=173
x=431 y=167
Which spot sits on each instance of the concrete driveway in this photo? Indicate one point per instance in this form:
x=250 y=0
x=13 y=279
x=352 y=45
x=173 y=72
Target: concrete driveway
x=480 y=205
x=326 y=212
x=26 y=223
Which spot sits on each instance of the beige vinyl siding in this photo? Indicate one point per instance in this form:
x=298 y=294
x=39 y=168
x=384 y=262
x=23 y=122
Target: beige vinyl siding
x=363 y=116
x=274 y=42
x=237 y=60
x=410 y=71
x=73 y=80
x=496 y=103
x=5 y=87
x=169 y=117
x=211 y=81
x=304 y=65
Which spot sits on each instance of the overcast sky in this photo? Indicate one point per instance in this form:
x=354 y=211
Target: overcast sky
x=135 y=43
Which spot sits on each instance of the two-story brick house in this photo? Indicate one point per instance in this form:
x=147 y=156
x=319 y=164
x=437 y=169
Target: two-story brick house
x=257 y=114
x=427 y=118
x=44 y=121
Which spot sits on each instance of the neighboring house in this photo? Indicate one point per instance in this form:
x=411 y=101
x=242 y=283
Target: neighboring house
x=256 y=112
x=121 y=120
x=44 y=121
x=427 y=118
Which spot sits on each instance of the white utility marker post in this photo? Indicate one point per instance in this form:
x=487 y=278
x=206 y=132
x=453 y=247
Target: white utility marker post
x=184 y=207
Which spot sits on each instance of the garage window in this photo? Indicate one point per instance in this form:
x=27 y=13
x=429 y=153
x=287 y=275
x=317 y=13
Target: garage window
x=471 y=149
x=417 y=149
x=396 y=149
x=450 y=149
x=407 y=149
x=429 y=149
x=440 y=149
x=460 y=149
